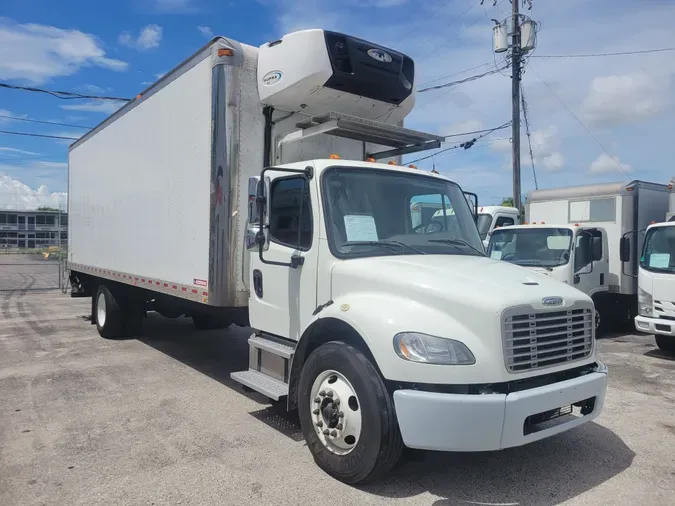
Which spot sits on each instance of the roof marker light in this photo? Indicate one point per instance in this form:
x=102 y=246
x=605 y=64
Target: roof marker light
x=412 y=166
x=391 y=162
x=334 y=157
x=371 y=159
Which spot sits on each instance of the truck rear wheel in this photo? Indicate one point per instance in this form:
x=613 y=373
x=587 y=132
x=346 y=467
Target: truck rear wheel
x=108 y=314
x=665 y=343
x=347 y=415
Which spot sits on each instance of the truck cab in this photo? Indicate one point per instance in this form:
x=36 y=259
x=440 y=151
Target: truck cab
x=573 y=255
x=492 y=217
x=656 y=285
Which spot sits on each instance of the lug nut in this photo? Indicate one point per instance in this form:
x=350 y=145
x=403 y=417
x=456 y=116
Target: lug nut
x=336 y=402
x=317 y=400
x=316 y=412
x=326 y=432
x=338 y=426
x=319 y=423
x=329 y=394
x=322 y=393
x=333 y=433
x=341 y=414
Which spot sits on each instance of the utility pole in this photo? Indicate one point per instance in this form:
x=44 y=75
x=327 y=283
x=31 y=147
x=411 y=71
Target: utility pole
x=522 y=40
x=515 y=102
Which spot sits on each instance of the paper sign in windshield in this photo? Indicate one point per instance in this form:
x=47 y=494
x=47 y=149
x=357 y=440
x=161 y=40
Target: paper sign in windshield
x=659 y=260
x=360 y=227
x=496 y=255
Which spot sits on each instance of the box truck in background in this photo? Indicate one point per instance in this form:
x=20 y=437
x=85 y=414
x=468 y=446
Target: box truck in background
x=656 y=278
x=241 y=188
x=574 y=235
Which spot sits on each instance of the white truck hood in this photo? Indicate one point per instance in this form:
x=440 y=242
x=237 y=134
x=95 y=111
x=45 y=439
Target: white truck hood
x=461 y=297
x=489 y=284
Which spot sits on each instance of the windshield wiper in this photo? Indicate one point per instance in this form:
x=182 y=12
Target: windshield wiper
x=458 y=242
x=535 y=263
x=387 y=243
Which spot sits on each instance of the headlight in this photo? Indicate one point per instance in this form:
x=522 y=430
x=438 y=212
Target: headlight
x=427 y=349
x=645 y=303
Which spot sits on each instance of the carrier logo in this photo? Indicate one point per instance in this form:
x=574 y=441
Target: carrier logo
x=552 y=301
x=379 y=55
x=272 y=78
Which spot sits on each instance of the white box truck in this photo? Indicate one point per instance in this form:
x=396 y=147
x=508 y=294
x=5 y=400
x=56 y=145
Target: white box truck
x=241 y=188
x=656 y=278
x=574 y=234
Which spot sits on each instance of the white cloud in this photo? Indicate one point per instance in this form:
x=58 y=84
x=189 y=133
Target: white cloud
x=149 y=37
x=17 y=152
x=604 y=164
x=37 y=53
x=621 y=99
x=159 y=75
x=205 y=31
x=147 y=83
x=18 y=196
x=92 y=88
x=102 y=106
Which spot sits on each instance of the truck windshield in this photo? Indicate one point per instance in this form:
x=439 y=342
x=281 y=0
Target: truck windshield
x=659 y=250
x=543 y=247
x=374 y=212
x=484 y=221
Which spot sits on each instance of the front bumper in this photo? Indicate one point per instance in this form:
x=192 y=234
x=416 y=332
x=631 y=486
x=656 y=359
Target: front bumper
x=654 y=326
x=458 y=422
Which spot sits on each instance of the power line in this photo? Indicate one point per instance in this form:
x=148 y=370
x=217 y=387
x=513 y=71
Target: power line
x=475 y=132
x=592 y=55
x=44 y=122
x=456 y=73
x=65 y=95
x=579 y=121
x=466 y=145
x=27 y=134
x=422 y=22
x=456 y=35
x=461 y=81
x=529 y=137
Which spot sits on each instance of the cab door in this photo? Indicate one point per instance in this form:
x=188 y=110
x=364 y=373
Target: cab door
x=591 y=261
x=282 y=281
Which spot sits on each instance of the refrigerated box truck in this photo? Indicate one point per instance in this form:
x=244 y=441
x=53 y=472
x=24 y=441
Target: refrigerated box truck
x=248 y=186
x=656 y=279
x=574 y=235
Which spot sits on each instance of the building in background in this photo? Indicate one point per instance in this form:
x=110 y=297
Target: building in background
x=33 y=229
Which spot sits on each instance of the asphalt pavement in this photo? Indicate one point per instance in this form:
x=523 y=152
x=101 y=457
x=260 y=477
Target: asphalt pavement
x=84 y=420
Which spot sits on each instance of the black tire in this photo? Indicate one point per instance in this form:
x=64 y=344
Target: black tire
x=108 y=314
x=210 y=322
x=665 y=343
x=379 y=446
x=600 y=319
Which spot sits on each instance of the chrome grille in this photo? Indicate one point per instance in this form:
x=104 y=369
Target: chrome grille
x=533 y=340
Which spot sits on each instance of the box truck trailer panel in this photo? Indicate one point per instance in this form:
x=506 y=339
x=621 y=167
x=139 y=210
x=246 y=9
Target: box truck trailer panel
x=618 y=208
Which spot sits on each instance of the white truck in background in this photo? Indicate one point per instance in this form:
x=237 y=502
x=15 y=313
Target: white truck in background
x=240 y=188
x=494 y=217
x=574 y=234
x=656 y=279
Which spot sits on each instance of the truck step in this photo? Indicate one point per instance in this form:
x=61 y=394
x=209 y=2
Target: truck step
x=269 y=387
x=274 y=347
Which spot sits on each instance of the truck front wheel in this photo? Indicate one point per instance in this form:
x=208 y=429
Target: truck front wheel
x=347 y=415
x=665 y=343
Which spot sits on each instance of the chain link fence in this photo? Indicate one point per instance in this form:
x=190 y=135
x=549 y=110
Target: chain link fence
x=33 y=247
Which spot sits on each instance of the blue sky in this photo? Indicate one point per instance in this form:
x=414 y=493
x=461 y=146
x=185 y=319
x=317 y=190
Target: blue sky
x=596 y=119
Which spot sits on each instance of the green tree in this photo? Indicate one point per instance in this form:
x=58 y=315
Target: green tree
x=507 y=202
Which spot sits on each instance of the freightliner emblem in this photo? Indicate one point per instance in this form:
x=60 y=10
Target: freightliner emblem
x=552 y=301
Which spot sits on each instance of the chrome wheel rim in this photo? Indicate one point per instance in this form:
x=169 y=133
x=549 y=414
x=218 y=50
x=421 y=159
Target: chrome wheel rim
x=100 y=309
x=335 y=412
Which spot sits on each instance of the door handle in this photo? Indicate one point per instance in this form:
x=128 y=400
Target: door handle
x=257 y=283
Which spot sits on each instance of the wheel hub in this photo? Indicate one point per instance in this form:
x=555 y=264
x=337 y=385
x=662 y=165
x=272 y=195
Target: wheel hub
x=336 y=413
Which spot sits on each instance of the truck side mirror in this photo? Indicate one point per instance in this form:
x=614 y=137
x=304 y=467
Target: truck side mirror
x=472 y=198
x=253 y=214
x=624 y=249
